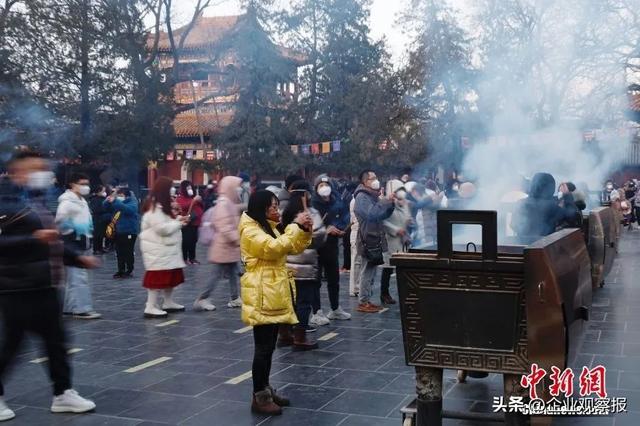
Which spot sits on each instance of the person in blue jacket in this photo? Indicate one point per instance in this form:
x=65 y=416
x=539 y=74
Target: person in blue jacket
x=127 y=228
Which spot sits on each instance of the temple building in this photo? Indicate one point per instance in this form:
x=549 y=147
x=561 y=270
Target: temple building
x=207 y=90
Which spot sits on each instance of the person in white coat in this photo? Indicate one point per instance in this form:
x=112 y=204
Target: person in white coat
x=396 y=227
x=161 y=246
x=73 y=218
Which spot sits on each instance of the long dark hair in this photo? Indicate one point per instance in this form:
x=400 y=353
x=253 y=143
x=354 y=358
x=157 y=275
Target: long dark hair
x=183 y=188
x=259 y=203
x=160 y=194
x=297 y=192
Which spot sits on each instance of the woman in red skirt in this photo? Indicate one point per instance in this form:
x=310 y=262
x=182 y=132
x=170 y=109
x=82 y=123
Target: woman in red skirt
x=161 y=246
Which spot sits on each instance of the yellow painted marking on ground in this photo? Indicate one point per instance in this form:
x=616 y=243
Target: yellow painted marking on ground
x=383 y=310
x=45 y=359
x=147 y=364
x=243 y=329
x=239 y=379
x=328 y=336
x=164 y=324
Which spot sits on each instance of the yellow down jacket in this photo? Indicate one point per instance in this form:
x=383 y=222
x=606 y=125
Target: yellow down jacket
x=267 y=287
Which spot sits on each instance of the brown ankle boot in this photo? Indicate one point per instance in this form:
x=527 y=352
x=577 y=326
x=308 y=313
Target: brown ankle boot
x=285 y=335
x=301 y=342
x=279 y=400
x=263 y=404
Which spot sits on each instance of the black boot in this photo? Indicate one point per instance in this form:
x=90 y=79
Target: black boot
x=279 y=400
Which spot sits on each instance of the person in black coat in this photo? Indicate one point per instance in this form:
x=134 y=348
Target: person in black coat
x=32 y=256
x=100 y=216
x=543 y=212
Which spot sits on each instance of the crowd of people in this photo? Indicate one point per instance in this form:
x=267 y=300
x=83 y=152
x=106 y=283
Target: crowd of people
x=275 y=246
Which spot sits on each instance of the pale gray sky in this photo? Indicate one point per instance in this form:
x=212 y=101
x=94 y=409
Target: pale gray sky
x=383 y=17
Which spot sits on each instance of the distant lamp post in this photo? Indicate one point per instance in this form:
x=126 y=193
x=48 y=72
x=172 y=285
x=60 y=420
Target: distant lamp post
x=195 y=84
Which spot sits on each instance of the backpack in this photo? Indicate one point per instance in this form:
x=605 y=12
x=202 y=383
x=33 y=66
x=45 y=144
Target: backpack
x=110 y=232
x=205 y=232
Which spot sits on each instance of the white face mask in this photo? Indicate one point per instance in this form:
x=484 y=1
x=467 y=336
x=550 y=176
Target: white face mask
x=40 y=180
x=324 y=191
x=559 y=195
x=84 y=190
x=609 y=187
x=103 y=194
x=172 y=192
x=375 y=185
x=401 y=195
x=190 y=192
x=455 y=187
x=210 y=186
x=120 y=198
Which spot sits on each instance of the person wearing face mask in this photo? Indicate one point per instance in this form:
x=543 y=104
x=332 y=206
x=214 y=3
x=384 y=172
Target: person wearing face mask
x=335 y=215
x=74 y=221
x=210 y=195
x=32 y=258
x=267 y=288
x=127 y=229
x=224 y=251
x=304 y=267
x=100 y=218
x=396 y=227
x=371 y=210
x=190 y=206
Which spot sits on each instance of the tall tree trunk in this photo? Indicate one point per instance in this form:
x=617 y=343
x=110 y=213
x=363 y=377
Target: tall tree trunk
x=85 y=77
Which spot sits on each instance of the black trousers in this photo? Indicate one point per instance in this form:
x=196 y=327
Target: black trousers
x=125 y=244
x=264 y=340
x=385 y=280
x=98 y=235
x=328 y=262
x=346 y=250
x=37 y=312
x=189 y=240
x=305 y=294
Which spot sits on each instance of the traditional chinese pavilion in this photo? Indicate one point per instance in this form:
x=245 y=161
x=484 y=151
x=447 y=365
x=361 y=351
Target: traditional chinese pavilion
x=207 y=91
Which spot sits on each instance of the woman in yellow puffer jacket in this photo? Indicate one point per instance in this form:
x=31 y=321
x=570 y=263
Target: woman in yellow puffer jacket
x=267 y=287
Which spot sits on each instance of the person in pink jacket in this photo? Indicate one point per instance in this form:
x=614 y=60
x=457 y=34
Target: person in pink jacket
x=224 y=251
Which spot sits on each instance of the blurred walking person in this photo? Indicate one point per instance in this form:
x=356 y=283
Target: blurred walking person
x=73 y=218
x=192 y=208
x=267 y=290
x=161 y=247
x=125 y=206
x=31 y=267
x=224 y=251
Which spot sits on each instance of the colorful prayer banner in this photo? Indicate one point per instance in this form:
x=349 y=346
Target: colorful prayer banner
x=188 y=154
x=336 y=146
x=326 y=147
x=315 y=148
x=211 y=155
x=305 y=149
x=294 y=149
x=199 y=154
x=170 y=155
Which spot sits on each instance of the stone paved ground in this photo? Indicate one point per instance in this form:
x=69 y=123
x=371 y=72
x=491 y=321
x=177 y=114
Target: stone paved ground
x=357 y=378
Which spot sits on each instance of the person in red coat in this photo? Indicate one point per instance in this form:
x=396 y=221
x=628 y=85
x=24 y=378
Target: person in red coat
x=192 y=207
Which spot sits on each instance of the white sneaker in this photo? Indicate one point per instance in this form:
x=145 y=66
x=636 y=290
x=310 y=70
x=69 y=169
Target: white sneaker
x=171 y=306
x=203 y=305
x=6 y=413
x=154 y=312
x=319 y=318
x=235 y=303
x=71 y=402
x=339 y=314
